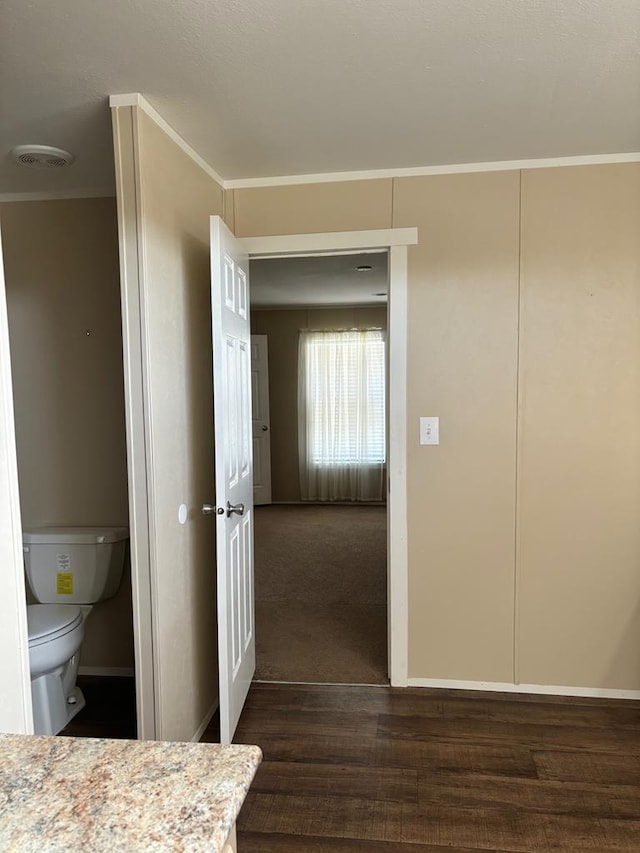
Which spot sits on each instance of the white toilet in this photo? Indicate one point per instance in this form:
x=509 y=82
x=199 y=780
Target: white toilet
x=68 y=570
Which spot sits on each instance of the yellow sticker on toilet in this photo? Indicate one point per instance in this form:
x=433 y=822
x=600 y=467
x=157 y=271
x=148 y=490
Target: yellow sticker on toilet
x=64 y=583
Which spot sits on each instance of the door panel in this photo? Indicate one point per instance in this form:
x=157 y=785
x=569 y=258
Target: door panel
x=234 y=474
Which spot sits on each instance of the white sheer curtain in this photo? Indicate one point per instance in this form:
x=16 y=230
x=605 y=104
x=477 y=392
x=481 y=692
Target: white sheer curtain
x=341 y=415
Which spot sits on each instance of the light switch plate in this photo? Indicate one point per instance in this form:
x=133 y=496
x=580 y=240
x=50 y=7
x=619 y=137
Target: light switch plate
x=429 y=430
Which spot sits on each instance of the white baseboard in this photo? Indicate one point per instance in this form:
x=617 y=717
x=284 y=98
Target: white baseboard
x=325 y=503
x=205 y=722
x=319 y=683
x=540 y=689
x=126 y=671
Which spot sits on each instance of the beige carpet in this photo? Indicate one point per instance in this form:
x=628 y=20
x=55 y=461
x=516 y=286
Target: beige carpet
x=320 y=579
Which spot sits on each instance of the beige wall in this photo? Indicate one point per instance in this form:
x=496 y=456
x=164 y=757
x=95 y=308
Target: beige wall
x=282 y=329
x=176 y=198
x=462 y=358
x=348 y=206
x=514 y=365
x=579 y=485
x=63 y=296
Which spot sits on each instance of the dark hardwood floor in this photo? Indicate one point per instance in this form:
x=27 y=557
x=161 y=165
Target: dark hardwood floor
x=376 y=770
x=110 y=710
x=382 y=770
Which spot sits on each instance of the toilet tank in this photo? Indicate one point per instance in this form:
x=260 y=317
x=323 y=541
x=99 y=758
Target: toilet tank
x=74 y=565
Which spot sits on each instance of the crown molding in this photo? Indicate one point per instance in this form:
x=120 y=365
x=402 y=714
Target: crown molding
x=57 y=195
x=425 y=171
x=328 y=177
x=135 y=99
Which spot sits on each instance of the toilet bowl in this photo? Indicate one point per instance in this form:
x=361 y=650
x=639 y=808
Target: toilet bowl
x=68 y=569
x=56 y=632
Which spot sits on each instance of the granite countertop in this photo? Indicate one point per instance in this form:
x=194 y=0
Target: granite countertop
x=86 y=794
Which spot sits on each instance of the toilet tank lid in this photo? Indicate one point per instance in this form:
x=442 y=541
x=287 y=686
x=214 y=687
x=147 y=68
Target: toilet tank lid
x=73 y=535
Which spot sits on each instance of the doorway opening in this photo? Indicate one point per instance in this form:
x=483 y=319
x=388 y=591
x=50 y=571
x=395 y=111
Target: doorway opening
x=319 y=355
x=63 y=307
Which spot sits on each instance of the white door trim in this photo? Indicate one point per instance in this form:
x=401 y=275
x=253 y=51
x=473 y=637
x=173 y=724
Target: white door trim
x=139 y=468
x=16 y=714
x=396 y=240
x=397 y=556
x=330 y=242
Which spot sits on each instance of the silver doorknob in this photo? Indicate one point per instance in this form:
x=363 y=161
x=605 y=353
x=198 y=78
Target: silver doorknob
x=209 y=509
x=264 y=428
x=237 y=508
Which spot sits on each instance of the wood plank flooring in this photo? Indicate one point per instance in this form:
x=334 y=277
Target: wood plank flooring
x=381 y=770
x=110 y=710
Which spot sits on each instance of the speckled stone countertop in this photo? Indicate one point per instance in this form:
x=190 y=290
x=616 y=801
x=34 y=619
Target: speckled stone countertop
x=92 y=795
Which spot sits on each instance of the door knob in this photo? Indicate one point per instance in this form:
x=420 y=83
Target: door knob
x=264 y=428
x=237 y=508
x=209 y=509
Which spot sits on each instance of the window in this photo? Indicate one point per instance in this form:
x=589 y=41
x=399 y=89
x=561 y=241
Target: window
x=342 y=414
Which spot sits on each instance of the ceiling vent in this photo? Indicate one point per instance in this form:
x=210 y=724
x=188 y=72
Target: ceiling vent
x=42 y=156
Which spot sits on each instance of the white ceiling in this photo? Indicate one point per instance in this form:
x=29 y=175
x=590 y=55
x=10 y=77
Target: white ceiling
x=301 y=86
x=319 y=280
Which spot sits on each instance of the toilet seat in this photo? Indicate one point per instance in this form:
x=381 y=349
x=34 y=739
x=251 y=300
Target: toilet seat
x=48 y=622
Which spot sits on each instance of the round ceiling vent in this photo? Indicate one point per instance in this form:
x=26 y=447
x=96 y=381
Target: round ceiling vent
x=42 y=156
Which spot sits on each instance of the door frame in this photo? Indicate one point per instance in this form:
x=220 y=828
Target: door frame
x=16 y=713
x=396 y=241
x=141 y=488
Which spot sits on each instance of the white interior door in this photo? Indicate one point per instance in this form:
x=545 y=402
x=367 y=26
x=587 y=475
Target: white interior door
x=260 y=421
x=234 y=476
